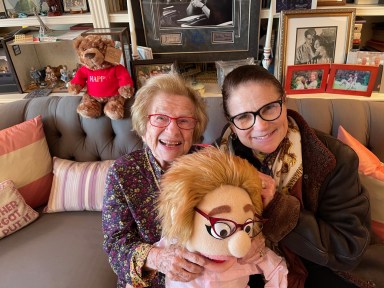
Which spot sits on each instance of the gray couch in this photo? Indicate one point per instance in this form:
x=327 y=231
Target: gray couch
x=64 y=250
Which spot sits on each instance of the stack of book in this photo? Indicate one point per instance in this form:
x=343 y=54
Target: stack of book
x=357 y=33
x=376 y=43
x=116 y=6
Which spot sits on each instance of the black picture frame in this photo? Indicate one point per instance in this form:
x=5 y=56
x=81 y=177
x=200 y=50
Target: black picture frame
x=150 y=68
x=199 y=41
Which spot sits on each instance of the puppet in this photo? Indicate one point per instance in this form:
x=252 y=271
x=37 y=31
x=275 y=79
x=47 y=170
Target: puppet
x=210 y=203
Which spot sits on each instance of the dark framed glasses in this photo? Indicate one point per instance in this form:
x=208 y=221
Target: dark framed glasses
x=269 y=112
x=162 y=121
x=222 y=228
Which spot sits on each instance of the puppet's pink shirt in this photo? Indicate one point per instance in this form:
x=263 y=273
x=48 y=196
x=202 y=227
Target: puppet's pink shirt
x=103 y=82
x=272 y=266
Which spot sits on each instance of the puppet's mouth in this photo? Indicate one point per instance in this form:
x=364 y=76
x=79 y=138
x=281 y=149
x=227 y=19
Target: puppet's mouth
x=217 y=259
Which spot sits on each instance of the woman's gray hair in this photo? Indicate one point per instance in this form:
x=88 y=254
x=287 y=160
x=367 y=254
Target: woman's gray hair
x=174 y=84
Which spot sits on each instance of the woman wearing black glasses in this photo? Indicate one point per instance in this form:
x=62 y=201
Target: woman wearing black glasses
x=318 y=213
x=170 y=117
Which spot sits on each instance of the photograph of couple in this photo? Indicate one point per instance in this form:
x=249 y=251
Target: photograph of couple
x=315 y=45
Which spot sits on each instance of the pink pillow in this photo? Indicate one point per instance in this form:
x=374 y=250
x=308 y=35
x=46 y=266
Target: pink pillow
x=369 y=164
x=371 y=171
x=15 y=213
x=25 y=159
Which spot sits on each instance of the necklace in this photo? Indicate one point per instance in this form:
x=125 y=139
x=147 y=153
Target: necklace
x=151 y=169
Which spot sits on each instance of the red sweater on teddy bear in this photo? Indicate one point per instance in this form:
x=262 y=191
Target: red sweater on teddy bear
x=103 y=82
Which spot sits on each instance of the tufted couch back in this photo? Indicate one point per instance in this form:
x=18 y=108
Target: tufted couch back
x=72 y=137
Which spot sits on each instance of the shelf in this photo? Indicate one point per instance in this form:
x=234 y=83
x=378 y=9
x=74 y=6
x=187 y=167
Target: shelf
x=119 y=17
x=48 y=20
x=361 y=10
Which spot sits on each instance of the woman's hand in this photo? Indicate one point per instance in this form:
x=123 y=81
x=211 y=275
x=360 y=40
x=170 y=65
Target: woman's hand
x=176 y=263
x=197 y=3
x=256 y=251
x=268 y=188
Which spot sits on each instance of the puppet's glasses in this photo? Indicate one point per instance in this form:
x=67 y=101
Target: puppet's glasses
x=222 y=228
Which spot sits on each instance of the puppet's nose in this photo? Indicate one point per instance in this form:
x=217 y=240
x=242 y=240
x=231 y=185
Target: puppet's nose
x=239 y=244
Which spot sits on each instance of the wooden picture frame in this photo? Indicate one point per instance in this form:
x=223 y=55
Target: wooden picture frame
x=145 y=69
x=352 y=79
x=331 y=2
x=332 y=27
x=307 y=79
x=170 y=31
x=75 y=6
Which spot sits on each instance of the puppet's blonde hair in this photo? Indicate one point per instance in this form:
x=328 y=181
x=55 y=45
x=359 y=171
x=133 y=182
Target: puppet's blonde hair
x=193 y=176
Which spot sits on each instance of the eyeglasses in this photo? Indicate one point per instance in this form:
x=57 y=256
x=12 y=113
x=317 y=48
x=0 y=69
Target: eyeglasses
x=269 y=112
x=161 y=121
x=223 y=228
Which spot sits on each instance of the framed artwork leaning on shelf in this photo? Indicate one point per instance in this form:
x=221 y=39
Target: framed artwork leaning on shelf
x=75 y=6
x=321 y=36
x=306 y=79
x=352 y=79
x=145 y=69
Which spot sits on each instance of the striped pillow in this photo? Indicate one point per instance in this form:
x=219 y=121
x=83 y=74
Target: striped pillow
x=77 y=186
x=25 y=159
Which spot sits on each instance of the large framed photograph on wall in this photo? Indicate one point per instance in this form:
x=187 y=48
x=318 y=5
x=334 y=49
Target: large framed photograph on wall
x=201 y=30
x=322 y=36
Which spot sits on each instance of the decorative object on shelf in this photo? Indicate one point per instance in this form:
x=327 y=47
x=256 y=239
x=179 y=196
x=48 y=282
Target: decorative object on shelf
x=145 y=69
x=224 y=67
x=299 y=30
x=306 y=79
x=16 y=8
x=55 y=8
x=267 y=46
x=331 y=2
x=108 y=84
x=188 y=34
x=43 y=29
x=351 y=79
x=294 y=5
x=75 y=6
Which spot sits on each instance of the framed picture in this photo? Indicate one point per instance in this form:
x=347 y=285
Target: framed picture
x=306 y=79
x=15 y=7
x=75 y=6
x=330 y=2
x=365 y=58
x=351 y=79
x=177 y=29
x=294 y=5
x=321 y=36
x=145 y=69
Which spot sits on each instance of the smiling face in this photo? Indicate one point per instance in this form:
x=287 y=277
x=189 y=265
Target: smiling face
x=169 y=142
x=263 y=136
x=228 y=202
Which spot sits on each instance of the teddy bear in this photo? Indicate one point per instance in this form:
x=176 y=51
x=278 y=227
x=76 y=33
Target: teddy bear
x=210 y=203
x=108 y=83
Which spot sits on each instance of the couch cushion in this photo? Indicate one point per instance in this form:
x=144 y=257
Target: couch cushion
x=14 y=212
x=77 y=186
x=58 y=250
x=25 y=159
x=369 y=164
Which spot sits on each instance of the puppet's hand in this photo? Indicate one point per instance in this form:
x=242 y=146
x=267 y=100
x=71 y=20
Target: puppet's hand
x=268 y=186
x=256 y=251
x=176 y=262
